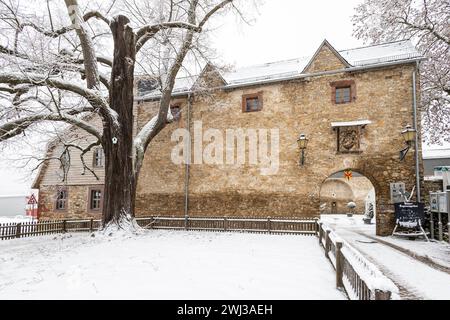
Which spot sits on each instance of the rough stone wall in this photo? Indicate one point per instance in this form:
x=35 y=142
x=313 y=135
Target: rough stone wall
x=384 y=97
x=76 y=205
x=431 y=186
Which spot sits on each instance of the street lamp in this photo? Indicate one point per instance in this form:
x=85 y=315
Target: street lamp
x=409 y=135
x=302 y=144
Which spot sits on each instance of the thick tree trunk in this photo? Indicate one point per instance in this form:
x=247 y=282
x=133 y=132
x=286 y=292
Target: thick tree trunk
x=120 y=180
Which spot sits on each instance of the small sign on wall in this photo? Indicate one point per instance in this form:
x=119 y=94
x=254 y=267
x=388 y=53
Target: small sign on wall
x=434 y=202
x=443 y=202
x=397 y=192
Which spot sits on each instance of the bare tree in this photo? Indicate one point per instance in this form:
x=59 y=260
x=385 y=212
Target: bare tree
x=427 y=23
x=54 y=69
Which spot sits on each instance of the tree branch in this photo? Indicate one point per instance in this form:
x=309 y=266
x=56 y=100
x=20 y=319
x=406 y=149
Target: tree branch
x=147 y=32
x=16 y=127
x=89 y=56
x=93 y=96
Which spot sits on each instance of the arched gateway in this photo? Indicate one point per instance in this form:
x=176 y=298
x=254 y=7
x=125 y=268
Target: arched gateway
x=343 y=187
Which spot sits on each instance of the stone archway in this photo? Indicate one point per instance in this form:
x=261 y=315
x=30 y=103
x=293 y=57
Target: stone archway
x=337 y=191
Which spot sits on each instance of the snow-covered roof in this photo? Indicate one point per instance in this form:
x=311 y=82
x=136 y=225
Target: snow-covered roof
x=382 y=53
x=364 y=57
x=271 y=70
x=184 y=84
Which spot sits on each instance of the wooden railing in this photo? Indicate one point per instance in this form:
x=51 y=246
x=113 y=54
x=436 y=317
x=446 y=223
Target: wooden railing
x=360 y=279
x=304 y=226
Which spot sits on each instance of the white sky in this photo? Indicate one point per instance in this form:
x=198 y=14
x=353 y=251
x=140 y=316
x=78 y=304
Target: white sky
x=284 y=29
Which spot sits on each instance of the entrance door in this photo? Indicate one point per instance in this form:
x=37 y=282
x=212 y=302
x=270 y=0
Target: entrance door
x=334 y=207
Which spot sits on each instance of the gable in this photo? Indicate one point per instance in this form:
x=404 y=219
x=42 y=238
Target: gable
x=209 y=78
x=50 y=173
x=326 y=59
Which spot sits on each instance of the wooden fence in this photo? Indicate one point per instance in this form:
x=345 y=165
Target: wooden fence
x=355 y=274
x=304 y=226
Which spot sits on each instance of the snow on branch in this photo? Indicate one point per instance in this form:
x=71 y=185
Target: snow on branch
x=13 y=128
x=93 y=96
x=149 y=31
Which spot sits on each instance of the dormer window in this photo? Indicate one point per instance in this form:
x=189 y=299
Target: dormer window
x=343 y=91
x=252 y=102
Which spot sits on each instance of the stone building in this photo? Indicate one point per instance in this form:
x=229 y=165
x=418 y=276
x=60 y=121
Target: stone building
x=351 y=105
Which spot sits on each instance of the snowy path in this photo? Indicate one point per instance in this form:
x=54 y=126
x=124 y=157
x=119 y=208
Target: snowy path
x=415 y=279
x=166 y=265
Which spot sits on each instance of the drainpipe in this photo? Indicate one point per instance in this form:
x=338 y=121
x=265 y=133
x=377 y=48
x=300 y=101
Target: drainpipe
x=417 y=132
x=188 y=164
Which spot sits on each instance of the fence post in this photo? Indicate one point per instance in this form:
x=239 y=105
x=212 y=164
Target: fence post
x=91 y=225
x=382 y=295
x=269 y=225
x=64 y=226
x=339 y=265
x=327 y=243
x=18 y=229
x=225 y=224
x=151 y=223
x=320 y=233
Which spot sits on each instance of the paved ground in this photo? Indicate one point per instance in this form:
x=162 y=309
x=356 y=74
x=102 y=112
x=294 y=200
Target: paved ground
x=420 y=269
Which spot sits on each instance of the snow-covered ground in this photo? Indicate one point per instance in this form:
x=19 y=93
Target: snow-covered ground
x=416 y=280
x=166 y=265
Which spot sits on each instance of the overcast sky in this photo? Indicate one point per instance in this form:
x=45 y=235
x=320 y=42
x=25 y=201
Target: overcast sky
x=286 y=29
x=283 y=29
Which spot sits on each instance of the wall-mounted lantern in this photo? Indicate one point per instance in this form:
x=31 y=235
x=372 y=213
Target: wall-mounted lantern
x=409 y=135
x=302 y=144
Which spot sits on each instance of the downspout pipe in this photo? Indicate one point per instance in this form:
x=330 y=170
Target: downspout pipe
x=414 y=87
x=188 y=164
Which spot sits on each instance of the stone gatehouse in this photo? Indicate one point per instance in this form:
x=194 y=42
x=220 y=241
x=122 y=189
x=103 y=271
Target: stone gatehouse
x=351 y=105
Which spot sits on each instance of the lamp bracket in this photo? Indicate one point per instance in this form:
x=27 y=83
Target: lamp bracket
x=403 y=153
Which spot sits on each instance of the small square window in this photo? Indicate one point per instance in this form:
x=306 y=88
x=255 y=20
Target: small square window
x=252 y=102
x=343 y=95
x=343 y=91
